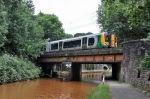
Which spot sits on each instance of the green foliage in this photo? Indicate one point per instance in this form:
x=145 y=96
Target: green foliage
x=24 y=34
x=21 y=33
x=3 y=23
x=13 y=68
x=121 y=82
x=82 y=34
x=69 y=36
x=114 y=18
x=137 y=10
x=100 y=92
x=89 y=66
x=148 y=37
x=145 y=63
x=51 y=25
x=106 y=71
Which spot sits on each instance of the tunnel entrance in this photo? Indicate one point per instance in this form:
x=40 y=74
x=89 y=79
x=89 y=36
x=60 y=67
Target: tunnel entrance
x=113 y=68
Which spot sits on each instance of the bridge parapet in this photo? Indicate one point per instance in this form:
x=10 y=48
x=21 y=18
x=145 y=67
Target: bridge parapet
x=101 y=51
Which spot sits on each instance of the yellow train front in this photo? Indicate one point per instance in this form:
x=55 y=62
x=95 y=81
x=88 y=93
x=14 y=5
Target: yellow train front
x=107 y=39
x=100 y=40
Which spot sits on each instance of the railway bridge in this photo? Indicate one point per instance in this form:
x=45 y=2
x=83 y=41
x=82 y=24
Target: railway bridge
x=76 y=58
x=124 y=61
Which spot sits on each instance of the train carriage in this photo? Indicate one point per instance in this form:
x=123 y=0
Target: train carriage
x=104 y=39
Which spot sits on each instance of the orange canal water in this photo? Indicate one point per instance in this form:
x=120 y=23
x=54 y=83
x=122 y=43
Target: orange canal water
x=46 y=88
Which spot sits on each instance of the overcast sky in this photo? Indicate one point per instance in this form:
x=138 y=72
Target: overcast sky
x=77 y=16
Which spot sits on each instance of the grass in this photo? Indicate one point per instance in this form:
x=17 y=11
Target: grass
x=100 y=92
x=121 y=82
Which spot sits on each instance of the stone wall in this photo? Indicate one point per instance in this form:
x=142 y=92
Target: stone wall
x=141 y=79
x=133 y=53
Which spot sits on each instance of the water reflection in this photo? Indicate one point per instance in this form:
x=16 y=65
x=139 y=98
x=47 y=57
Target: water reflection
x=92 y=77
x=45 y=89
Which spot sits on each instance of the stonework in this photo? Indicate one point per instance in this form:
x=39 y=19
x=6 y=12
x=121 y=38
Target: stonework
x=133 y=53
x=141 y=79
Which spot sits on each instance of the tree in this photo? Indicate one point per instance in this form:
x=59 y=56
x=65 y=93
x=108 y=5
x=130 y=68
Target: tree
x=51 y=25
x=118 y=23
x=82 y=34
x=30 y=6
x=69 y=35
x=3 y=24
x=138 y=10
x=24 y=35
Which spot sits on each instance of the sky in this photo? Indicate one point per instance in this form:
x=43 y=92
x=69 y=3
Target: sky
x=77 y=16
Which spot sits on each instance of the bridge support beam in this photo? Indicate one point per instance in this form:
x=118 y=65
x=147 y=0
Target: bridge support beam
x=71 y=71
x=116 y=70
x=76 y=73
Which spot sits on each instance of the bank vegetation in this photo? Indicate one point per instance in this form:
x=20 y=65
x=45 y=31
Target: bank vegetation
x=13 y=68
x=100 y=92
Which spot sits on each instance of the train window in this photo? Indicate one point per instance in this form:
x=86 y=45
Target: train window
x=54 y=46
x=76 y=43
x=71 y=44
x=66 y=44
x=90 y=41
x=106 y=37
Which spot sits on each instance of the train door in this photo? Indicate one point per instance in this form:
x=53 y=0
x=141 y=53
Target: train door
x=84 y=43
x=60 y=46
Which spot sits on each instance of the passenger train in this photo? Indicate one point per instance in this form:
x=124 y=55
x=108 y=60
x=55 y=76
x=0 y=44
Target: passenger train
x=105 y=39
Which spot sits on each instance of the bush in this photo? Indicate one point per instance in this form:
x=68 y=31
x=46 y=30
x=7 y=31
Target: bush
x=145 y=63
x=13 y=68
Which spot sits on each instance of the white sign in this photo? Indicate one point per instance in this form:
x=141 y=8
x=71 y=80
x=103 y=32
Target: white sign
x=68 y=65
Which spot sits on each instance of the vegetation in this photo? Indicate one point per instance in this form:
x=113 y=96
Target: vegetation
x=51 y=25
x=145 y=63
x=100 y=92
x=82 y=34
x=137 y=10
x=24 y=35
x=89 y=66
x=13 y=68
x=125 y=18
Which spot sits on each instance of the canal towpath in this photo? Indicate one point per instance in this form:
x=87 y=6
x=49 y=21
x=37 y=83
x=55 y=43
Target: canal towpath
x=124 y=91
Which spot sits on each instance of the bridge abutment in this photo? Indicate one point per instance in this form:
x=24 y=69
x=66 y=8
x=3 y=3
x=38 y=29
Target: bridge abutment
x=76 y=71
x=133 y=53
x=71 y=71
x=116 y=70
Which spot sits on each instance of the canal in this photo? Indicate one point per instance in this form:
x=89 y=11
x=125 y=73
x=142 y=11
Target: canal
x=47 y=88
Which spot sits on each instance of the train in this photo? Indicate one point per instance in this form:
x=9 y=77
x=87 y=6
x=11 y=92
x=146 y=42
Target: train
x=99 y=40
